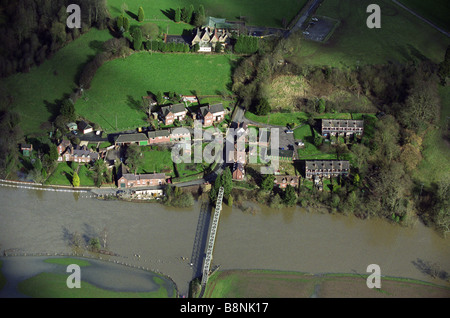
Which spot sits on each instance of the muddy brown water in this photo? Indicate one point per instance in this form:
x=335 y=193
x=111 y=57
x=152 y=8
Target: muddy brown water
x=162 y=238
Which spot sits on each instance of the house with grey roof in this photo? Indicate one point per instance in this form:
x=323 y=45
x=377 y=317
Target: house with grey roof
x=342 y=127
x=140 y=139
x=211 y=114
x=170 y=113
x=131 y=180
x=159 y=136
x=326 y=168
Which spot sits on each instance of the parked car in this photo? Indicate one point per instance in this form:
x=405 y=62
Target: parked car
x=306 y=33
x=315 y=19
x=288 y=131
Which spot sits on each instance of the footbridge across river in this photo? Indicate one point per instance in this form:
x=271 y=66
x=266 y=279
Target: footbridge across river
x=212 y=238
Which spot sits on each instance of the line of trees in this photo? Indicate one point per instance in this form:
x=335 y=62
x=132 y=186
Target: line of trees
x=191 y=16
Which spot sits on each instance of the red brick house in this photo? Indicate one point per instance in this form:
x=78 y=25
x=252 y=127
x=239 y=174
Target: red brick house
x=211 y=114
x=238 y=171
x=158 y=136
x=169 y=113
x=130 y=180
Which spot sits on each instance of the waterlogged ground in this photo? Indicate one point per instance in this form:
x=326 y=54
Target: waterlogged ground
x=28 y=276
x=162 y=239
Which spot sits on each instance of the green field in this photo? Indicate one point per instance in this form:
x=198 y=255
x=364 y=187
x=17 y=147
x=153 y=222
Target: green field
x=34 y=93
x=279 y=284
x=258 y=12
x=436 y=11
x=402 y=37
x=118 y=86
x=51 y=285
x=435 y=165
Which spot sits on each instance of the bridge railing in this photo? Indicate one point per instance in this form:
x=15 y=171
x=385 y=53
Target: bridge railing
x=212 y=237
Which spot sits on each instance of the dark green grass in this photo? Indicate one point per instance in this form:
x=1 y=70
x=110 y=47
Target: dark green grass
x=34 y=93
x=155 y=161
x=437 y=11
x=402 y=37
x=63 y=173
x=118 y=86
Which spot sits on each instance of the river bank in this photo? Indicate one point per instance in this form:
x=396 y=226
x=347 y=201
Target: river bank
x=162 y=238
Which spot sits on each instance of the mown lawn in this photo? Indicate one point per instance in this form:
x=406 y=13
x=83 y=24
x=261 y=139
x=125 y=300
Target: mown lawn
x=63 y=174
x=258 y=12
x=155 y=161
x=401 y=38
x=35 y=93
x=117 y=88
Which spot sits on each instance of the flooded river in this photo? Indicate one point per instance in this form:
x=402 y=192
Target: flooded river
x=162 y=238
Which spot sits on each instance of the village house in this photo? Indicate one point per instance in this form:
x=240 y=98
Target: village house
x=179 y=134
x=282 y=181
x=326 y=168
x=207 y=38
x=85 y=128
x=238 y=172
x=342 y=127
x=68 y=152
x=169 y=114
x=140 y=139
x=237 y=155
x=211 y=114
x=159 y=136
x=130 y=180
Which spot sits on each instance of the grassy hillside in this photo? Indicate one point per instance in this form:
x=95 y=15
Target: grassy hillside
x=34 y=93
x=119 y=85
x=436 y=11
x=402 y=37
